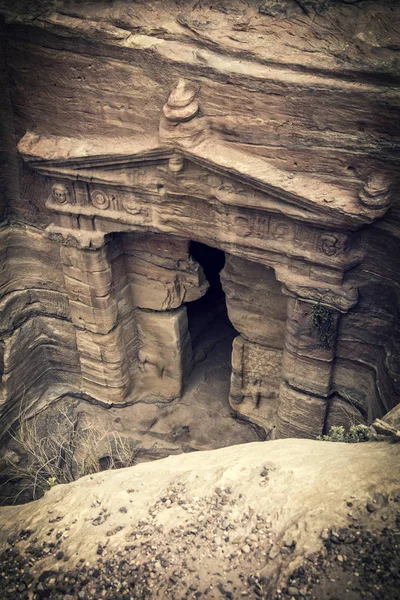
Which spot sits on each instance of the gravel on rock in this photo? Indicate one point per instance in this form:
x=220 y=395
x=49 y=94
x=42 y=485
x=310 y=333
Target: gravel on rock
x=221 y=548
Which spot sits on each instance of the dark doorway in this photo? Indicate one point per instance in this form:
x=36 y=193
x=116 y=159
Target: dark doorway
x=208 y=317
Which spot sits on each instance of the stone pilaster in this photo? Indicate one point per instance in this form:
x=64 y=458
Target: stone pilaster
x=257 y=310
x=94 y=311
x=307 y=368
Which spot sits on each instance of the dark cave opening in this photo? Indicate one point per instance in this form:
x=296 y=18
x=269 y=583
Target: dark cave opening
x=208 y=318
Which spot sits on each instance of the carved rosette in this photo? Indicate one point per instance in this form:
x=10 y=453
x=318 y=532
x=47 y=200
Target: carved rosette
x=377 y=192
x=100 y=199
x=181 y=105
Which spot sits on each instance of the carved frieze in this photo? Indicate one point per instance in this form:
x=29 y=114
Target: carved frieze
x=196 y=203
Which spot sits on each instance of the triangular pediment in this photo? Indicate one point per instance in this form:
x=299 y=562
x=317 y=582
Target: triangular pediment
x=213 y=170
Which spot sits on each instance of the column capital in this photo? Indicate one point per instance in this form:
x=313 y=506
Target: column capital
x=77 y=238
x=316 y=287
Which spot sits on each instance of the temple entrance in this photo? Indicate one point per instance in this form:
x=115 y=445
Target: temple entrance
x=204 y=407
x=208 y=317
x=209 y=324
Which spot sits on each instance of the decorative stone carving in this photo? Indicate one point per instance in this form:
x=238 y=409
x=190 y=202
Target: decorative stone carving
x=132 y=206
x=100 y=199
x=377 y=192
x=60 y=193
x=181 y=105
x=279 y=230
x=255 y=380
x=329 y=244
x=176 y=163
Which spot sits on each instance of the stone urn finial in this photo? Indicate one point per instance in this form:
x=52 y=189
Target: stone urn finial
x=181 y=105
x=376 y=192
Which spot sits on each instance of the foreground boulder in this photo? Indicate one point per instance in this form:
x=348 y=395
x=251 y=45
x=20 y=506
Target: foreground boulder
x=229 y=523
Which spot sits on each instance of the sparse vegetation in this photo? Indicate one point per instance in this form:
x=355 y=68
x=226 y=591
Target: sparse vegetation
x=60 y=448
x=322 y=322
x=356 y=433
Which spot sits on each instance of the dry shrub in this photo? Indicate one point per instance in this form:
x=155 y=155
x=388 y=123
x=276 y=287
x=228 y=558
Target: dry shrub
x=61 y=447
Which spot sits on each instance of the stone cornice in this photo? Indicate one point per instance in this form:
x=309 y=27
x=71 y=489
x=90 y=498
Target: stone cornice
x=54 y=153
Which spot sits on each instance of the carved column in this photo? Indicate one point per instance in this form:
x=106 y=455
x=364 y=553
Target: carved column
x=307 y=369
x=103 y=361
x=257 y=309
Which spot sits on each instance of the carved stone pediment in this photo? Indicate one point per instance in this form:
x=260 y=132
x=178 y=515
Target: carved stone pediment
x=198 y=187
x=199 y=195
x=231 y=176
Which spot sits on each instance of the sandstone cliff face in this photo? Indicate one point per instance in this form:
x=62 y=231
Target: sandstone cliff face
x=39 y=357
x=132 y=130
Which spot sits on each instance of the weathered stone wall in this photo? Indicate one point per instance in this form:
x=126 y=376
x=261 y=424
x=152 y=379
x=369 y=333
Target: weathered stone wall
x=323 y=126
x=367 y=371
x=38 y=350
x=6 y=129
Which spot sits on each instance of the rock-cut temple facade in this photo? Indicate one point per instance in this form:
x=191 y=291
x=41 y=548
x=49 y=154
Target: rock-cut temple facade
x=130 y=151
